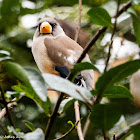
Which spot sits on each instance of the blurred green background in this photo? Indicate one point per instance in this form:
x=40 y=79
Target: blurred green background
x=18 y=19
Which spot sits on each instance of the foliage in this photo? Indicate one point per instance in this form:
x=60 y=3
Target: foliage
x=62 y=86
x=136 y=22
x=18 y=73
x=116 y=74
x=104 y=116
x=29 y=125
x=100 y=16
x=80 y=67
x=135 y=130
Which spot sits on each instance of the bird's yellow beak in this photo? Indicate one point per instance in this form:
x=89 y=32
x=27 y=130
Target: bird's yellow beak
x=45 y=27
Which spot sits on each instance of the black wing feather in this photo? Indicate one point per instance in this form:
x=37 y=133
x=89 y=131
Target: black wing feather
x=64 y=72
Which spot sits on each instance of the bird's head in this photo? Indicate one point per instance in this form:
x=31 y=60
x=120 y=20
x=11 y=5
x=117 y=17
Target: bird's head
x=49 y=26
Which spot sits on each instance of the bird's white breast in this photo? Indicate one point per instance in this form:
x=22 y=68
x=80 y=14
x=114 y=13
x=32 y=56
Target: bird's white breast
x=39 y=51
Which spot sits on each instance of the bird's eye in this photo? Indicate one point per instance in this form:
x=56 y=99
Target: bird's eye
x=39 y=27
x=53 y=24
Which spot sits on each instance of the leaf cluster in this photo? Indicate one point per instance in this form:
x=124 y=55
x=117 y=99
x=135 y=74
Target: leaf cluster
x=14 y=76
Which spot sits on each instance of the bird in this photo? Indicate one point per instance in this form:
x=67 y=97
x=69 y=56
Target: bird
x=56 y=53
x=135 y=88
x=135 y=84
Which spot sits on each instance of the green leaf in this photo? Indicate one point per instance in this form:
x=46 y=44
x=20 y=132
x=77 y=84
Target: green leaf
x=118 y=92
x=136 y=131
x=37 y=82
x=100 y=16
x=63 y=85
x=82 y=66
x=93 y=92
x=29 y=125
x=15 y=132
x=70 y=122
x=127 y=105
x=136 y=26
x=9 y=12
x=104 y=116
x=65 y=104
x=5 y=58
x=35 y=135
x=3 y=52
x=29 y=77
x=30 y=93
x=15 y=70
x=116 y=74
x=13 y=93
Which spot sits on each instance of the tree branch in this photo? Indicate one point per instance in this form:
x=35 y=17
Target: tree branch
x=112 y=37
x=79 y=21
x=7 y=109
x=87 y=101
x=124 y=8
x=76 y=103
x=3 y=112
x=53 y=116
x=114 y=137
x=91 y=43
x=118 y=12
x=105 y=135
x=68 y=132
x=77 y=116
x=86 y=126
x=127 y=129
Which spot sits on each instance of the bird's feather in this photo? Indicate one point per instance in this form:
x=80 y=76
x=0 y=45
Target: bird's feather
x=64 y=72
x=57 y=49
x=63 y=51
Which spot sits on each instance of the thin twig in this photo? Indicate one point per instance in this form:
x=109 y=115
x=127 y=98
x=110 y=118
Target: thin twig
x=68 y=132
x=50 y=89
x=118 y=12
x=79 y=21
x=91 y=43
x=105 y=135
x=112 y=37
x=124 y=8
x=114 y=137
x=77 y=116
x=53 y=116
x=87 y=101
x=76 y=103
x=3 y=112
x=109 y=55
x=86 y=126
x=127 y=130
x=7 y=109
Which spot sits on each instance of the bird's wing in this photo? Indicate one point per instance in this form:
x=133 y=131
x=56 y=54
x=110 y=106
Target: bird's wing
x=64 y=52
